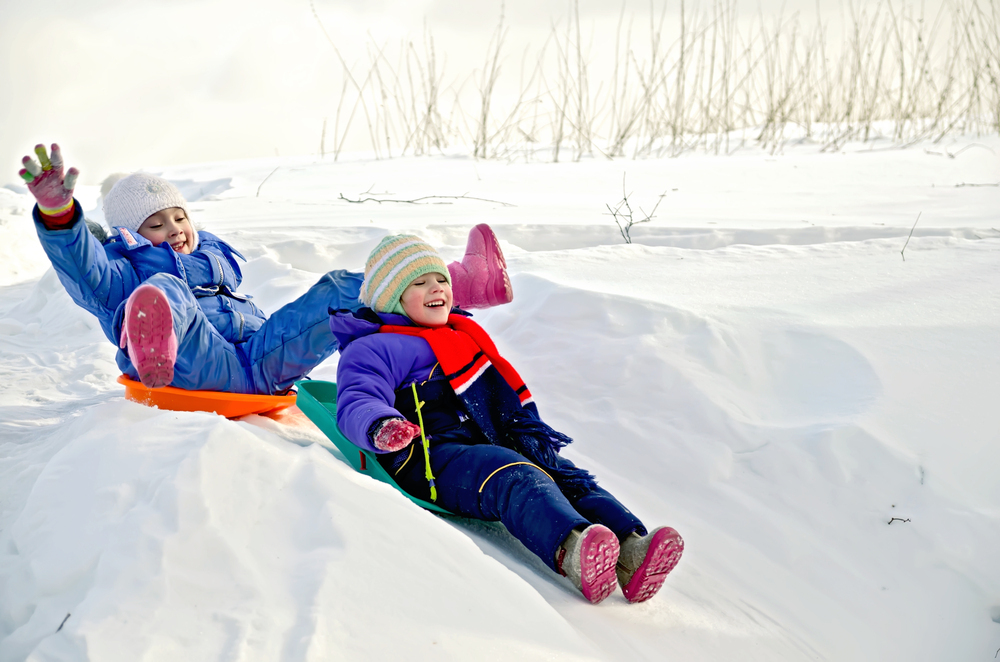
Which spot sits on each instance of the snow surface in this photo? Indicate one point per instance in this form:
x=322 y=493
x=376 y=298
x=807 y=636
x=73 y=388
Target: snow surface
x=760 y=369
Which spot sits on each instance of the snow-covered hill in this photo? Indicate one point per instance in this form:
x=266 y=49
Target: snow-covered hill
x=760 y=369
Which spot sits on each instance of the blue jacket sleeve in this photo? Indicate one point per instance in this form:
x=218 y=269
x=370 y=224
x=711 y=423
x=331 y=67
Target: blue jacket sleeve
x=367 y=378
x=94 y=281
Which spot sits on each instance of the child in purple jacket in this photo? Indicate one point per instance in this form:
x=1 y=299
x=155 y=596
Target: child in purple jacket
x=452 y=422
x=167 y=296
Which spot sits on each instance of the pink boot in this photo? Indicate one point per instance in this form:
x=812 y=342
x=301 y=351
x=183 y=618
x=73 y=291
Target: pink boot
x=480 y=280
x=645 y=561
x=588 y=559
x=148 y=334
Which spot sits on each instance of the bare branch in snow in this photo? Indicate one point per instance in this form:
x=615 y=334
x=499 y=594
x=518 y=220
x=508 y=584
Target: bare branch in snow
x=625 y=219
x=908 y=238
x=426 y=199
x=265 y=179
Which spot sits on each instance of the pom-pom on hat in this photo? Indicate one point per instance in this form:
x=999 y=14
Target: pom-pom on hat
x=393 y=265
x=138 y=196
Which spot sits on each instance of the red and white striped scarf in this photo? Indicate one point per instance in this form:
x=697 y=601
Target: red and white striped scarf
x=465 y=351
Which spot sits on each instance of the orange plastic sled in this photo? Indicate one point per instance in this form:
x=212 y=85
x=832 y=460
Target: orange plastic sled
x=230 y=405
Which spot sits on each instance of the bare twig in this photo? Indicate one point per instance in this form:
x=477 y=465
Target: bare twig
x=348 y=76
x=899 y=519
x=426 y=199
x=910 y=235
x=63 y=623
x=269 y=177
x=487 y=83
x=895 y=74
x=952 y=155
x=625 y=219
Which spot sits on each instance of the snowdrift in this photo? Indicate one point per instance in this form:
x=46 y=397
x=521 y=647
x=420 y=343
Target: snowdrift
x=760 y=369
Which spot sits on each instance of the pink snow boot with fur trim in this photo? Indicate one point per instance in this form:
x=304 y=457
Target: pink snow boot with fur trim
x=148 y=335
x=588 y=558
x=480 y=280
x=645 y=561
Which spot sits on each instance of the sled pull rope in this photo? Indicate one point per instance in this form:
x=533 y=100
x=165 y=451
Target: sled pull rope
x=427 y=445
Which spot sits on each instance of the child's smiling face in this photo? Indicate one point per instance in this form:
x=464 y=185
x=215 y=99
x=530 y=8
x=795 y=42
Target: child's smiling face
x=171 y=226
x=428 y=300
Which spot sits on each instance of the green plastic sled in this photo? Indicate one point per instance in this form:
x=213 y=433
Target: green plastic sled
x=318 y=400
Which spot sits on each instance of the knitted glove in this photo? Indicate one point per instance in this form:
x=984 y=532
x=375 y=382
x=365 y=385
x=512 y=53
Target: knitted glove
x=395 y=434
x=52 y=190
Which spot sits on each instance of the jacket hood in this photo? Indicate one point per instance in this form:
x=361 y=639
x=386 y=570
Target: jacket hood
x=348 y=326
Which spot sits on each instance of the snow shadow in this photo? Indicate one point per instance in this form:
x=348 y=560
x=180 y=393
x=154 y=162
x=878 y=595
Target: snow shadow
x=542 y=237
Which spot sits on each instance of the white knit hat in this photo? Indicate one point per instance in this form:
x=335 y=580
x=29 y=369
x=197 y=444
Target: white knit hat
x=135 y=198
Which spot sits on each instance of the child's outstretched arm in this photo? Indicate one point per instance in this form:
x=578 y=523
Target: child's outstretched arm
x=94 y=282
x=52 y=189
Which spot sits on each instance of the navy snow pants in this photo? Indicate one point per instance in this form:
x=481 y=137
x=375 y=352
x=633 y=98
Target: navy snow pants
x=494 y=483
x=293 y=341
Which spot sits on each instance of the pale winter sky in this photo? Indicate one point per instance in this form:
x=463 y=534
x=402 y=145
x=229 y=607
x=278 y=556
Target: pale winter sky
x=128 y=84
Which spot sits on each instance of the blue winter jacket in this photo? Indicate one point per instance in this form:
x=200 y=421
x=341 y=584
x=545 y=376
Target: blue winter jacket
x=100 y=277
x=374 y=377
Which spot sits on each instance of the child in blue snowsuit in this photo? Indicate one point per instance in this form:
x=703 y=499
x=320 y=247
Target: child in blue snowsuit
x=488 y=454
x=167 y=295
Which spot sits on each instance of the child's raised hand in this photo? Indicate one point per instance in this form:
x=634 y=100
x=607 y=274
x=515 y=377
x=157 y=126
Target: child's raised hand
x=395 y=434
x=52 y=190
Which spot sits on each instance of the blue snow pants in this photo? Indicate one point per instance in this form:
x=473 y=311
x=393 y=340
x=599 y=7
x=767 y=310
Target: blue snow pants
x=290 y=343
x=494 y=483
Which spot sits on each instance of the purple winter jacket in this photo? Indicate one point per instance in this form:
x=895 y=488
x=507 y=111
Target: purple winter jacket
x=372 y=367
x=374 y=378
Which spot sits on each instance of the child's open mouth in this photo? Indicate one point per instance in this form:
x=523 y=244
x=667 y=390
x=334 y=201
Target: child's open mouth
x=434 y=304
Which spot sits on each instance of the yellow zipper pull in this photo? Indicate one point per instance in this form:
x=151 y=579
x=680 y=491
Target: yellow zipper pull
x=423 y=438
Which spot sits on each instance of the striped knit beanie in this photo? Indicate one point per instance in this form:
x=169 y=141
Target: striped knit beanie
x=135 y=198
x=392 y=266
